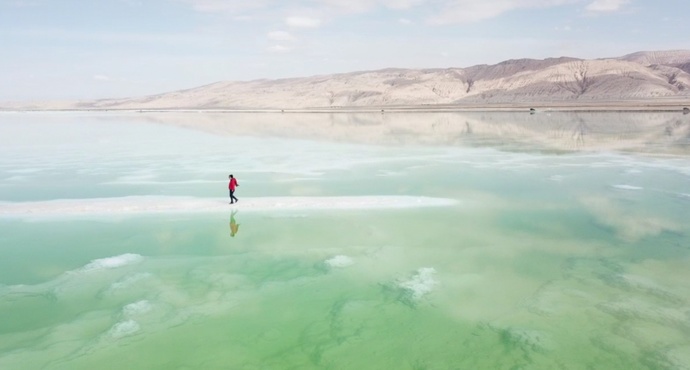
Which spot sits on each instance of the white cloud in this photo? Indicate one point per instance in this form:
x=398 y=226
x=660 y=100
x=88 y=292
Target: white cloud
x=226 y=6
x=243 y=18
x=101 y=78
x=279 y=49
x=303 y=22
x=333 y=7
x=466 y=11
x=606 y=6
x=313 y=12
x=360 y=6
x=403 y=4
x=404 y=21
x=280 y=36
x=348 y=6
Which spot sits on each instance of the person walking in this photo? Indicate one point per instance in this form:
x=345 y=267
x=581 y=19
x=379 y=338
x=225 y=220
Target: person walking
x=232 y=185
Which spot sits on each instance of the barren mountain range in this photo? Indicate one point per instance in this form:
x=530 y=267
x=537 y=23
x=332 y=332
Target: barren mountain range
x=658 y=77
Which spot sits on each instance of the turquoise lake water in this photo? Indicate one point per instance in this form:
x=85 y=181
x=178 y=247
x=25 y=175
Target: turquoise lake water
x=562 y=241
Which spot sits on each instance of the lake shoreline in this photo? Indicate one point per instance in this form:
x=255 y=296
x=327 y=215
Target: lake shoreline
x=674 y=105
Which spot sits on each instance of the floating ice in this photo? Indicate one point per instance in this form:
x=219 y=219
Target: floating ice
x=627 y=187
x=340 y=261
x=123 y=329
x=645 y=310
x=129 y=280
x=420 y=284
x=152 y=181
x=137 y=308
x=112 y=262
x=161 y=204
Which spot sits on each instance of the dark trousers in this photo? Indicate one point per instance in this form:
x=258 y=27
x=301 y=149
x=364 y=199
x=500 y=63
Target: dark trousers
x=232 y=196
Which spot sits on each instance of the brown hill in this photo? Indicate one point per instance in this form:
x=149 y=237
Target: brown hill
x=643 y=76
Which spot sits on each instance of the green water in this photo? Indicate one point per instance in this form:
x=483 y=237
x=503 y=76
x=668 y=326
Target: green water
x=553 y=256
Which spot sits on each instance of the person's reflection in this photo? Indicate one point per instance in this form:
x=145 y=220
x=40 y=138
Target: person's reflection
x=234 y=226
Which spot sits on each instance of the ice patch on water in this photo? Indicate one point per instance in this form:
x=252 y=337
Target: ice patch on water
x=648 y=286
x=163 y=204
x=340 y=261
x=390 y=173
x=112 y=262
x=129 y=280
x=627 y=187
x=123 y=329
x=421 y=283
x=137 y=308
x=635 y=308
x=121 y=181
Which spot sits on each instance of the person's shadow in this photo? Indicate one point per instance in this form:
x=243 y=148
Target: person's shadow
x=234 y=226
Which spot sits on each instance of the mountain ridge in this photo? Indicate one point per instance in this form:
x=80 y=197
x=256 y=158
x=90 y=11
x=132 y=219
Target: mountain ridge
x=640 y=76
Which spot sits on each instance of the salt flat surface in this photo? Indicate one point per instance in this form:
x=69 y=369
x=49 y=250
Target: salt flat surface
x=158 y=204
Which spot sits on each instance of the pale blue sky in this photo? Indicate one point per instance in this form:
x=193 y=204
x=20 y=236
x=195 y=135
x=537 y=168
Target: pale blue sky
x=85 y=49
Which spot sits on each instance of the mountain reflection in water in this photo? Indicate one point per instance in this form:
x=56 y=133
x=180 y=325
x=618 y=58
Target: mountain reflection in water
x=640 y=132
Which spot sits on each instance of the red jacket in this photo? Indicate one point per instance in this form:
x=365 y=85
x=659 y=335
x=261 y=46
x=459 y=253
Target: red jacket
x=233 y=184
